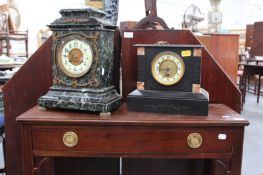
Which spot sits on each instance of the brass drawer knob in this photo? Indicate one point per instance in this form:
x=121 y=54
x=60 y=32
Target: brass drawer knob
x=70 y=139
x=194 y=140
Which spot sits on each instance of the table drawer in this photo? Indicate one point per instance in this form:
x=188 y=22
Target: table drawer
x=121 y=140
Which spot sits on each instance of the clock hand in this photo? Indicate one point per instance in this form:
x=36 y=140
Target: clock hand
x=74 y=57
x=166 y=69
x=167 y=75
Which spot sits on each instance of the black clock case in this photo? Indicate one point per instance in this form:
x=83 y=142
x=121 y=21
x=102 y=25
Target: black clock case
x=175 y=99
x=192 y=67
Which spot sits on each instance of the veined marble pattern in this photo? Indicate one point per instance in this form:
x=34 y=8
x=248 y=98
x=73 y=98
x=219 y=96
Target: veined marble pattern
x=111 y=7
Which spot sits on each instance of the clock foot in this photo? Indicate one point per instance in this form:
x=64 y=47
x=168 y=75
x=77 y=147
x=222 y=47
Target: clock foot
x=105 y=115
x=42 y=108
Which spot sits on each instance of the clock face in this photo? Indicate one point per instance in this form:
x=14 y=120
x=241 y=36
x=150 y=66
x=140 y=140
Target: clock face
x=167 y=68
x=75 y=57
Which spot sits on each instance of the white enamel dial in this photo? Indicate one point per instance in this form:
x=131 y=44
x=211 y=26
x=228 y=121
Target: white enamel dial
x=168 y=68
x=75 y=57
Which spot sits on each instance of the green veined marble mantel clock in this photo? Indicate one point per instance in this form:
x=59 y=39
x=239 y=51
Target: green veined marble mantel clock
x=83 y=44
x=168 y=80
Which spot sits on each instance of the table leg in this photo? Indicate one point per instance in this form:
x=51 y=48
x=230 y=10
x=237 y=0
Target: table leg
x=248 y=82
x=244 y=87
x=27 y=154
x=259 y=84
x=236 y=163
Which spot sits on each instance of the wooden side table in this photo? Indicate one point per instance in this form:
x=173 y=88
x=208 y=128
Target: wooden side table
x=133 y=135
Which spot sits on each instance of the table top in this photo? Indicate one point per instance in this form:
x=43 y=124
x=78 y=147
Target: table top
x=252 y=65
x=5 y=78
x=257 y=69
x=257 y=60
x=219 y=115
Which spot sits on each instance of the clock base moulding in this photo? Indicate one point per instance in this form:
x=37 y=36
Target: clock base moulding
x=97 y=100
x=168 y=102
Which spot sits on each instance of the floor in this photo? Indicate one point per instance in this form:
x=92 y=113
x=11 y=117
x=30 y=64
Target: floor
x=253 y=142
x=1 y=157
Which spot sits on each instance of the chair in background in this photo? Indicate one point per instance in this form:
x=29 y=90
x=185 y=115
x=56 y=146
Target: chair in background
x=244 y=58
x=7 y=37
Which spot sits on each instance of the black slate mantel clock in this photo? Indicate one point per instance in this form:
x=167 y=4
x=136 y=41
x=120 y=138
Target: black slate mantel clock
x=82 y=63
x=168 y=80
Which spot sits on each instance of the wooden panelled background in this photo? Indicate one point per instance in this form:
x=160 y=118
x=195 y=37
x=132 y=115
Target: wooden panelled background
x=225 y=50
x=257 y=44
x=249 y=35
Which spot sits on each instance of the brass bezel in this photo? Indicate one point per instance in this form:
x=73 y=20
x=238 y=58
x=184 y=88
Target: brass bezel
x=58 y=58
x=154 y=71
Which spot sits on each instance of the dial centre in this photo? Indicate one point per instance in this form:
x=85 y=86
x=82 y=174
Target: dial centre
x=75 y=56
x=168 y=68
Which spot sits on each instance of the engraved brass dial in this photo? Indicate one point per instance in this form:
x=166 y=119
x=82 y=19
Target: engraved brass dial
x=167 y=68
x=75 y=57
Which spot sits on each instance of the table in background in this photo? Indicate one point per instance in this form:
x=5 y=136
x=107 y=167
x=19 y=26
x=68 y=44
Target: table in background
x=9 y=66
x=4 y=67
x=250 y=70
x=133 y=135
x=255 y=60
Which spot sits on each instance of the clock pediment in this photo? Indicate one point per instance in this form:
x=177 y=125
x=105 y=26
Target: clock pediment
x=82 y=19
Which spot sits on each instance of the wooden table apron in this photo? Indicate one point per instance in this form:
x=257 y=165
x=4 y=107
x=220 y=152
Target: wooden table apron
x=132 y=135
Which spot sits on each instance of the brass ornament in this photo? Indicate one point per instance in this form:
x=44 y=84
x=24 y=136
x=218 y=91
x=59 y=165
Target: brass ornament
x=197 y=52
x=70 y=139
x=74 y=83
x=141 y=51
x=140 y=85
x=196 y=88
x=194 y=140
x=93 y=82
